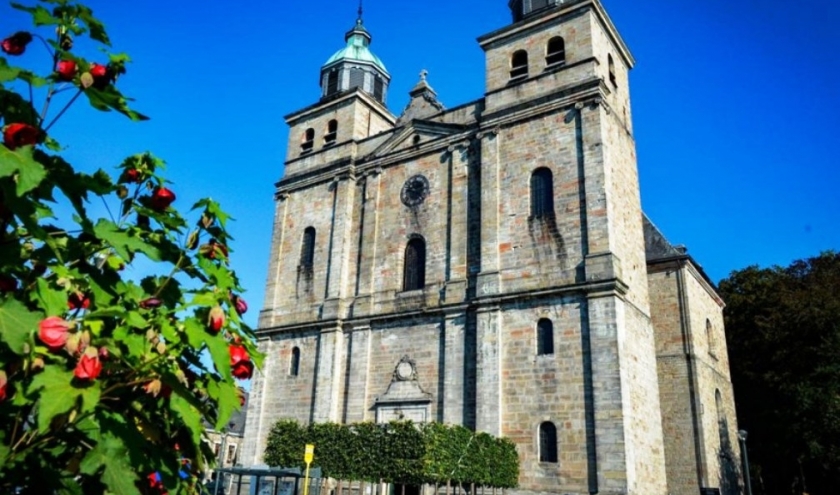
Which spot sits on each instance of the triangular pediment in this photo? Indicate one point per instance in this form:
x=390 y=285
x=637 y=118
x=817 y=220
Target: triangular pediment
x=414 y=134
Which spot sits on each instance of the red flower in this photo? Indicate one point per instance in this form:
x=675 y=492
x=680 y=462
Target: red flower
x=240 y=362
x=162 y=198
x=216 y=319
x=3 y=384
x=66 y=70
x=132 y=175
x=17 y=135
x=53 y=332
x=101 y=75
x=213 y=250
x=7 y=283
x=89 y=366
x=240 y=305
x=16 y=43
x=77 y=300
x=104 y=355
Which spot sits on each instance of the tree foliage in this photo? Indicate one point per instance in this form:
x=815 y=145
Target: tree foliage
x=783 y=334
x=397 y=452
x=104 y=380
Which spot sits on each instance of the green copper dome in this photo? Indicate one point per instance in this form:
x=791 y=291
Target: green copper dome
x=357 y=49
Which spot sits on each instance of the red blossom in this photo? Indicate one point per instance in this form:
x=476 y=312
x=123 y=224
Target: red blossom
x=53 y=332
x=66 y=70
x=16 y=43
x=89 y=366
x=151 y=303
x=216 y=319
x=162 y=198
x=101 y=75
x=17 y=135
x=133 y=175
x=240 y=362
x=77 y=300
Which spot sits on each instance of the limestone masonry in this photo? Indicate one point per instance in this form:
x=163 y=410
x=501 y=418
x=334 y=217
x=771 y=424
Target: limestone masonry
x=490 y=265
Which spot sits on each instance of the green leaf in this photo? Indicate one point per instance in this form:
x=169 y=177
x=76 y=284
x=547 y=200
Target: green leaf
x=97 y=29
x=228 y=400
x=58 y=395
x=189 y=415
x=52 y=301
x=7 y=72
x=30 y=172
x=109 y=98
x=17 y=324
x=112 y=455
x=40 y=15
x=123 y=241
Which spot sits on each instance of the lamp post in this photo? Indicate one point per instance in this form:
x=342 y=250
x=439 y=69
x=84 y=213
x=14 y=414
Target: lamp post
x=742 y=439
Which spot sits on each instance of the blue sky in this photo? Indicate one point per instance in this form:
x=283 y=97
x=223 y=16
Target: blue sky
x=735 y=107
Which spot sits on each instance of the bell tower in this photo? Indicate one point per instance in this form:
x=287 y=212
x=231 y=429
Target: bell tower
x=355 y=66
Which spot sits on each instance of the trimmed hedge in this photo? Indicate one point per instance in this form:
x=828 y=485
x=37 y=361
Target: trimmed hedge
x=397 y=452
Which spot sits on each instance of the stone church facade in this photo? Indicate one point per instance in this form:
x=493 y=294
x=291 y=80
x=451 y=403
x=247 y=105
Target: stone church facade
x=490 y=265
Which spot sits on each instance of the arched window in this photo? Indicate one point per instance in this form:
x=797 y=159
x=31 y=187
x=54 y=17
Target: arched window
x=723 y=424
x=294 y=364
x=519 y=64
x=308 y=141
x=611 y=67
x=548 y=442
x=555 y=53
x=414 y=274
x=332 y=132
x=332 y=82
x=307 y=250
x=545 y=337
x=542 y=193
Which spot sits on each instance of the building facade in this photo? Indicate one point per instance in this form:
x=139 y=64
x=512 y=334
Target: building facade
x=490 y=265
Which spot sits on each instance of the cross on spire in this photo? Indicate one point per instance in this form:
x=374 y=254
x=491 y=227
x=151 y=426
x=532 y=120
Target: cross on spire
x=423 y=74
x=361 y=10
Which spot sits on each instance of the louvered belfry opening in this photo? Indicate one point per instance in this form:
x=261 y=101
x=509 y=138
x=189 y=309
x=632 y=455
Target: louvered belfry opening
x=307 y=250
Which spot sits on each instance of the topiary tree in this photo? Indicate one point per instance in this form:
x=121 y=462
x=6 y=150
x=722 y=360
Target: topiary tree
x=104 y=380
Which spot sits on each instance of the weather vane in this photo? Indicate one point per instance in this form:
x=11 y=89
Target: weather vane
x=360 y=10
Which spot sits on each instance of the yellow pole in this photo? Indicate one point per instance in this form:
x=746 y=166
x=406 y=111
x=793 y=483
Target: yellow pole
x=308 y=455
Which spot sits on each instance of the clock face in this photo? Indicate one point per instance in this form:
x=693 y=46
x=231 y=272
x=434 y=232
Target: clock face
x=415 y=190
x=404 y=371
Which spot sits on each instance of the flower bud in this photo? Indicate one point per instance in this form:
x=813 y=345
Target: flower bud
x=182 y=377
x=101 y=75
x=122 y=192
x=133 y=175
x=37 y=364
x=4 y=384
x=240 y=362
x=240 y=305
x=161 y=348
x=153 y=387
x=66 y=42
x=53 y=332
x=16 y=43
x=216 y=319
x=65 y=70
x=151 y=335
x=151 y=303
x=104 y=354
x=73 y=344
x=192 y=240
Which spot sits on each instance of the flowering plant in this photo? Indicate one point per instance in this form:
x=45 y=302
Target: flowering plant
x=105 y=381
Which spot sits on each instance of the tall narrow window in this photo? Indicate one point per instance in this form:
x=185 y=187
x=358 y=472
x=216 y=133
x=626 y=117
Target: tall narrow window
x=555 y=53
x=545 y=337
x=611 y=67
x=414 y=275
x=294 y=365
x=519 y=64
x=357 y=78
x=332 y=82
x=307 y=250
x=332 y=132
x=379 y=88
x=548 y=442
x=308 y=141
x=542 y=193
x=710 y=337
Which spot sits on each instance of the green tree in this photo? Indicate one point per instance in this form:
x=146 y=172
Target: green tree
x=783 y=334
x=104 y=380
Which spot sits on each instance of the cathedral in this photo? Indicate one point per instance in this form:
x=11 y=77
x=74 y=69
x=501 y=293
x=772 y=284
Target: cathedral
x=490 y=265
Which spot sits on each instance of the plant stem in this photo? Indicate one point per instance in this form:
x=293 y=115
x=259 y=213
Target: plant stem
x=66 y=107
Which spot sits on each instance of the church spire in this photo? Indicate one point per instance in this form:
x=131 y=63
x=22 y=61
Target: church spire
x=355 y=66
